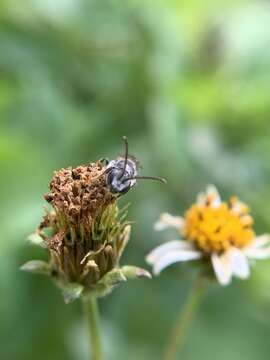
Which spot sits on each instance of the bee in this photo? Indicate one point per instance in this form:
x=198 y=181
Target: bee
x=122 y=173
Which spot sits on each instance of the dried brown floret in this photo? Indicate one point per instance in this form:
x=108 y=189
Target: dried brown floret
x=80 y=194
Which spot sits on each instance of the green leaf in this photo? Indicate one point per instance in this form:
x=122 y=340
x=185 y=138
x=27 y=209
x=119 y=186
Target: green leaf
x=72 y=292
x=109 y=282
x=36 y=239
x=36 y=267
x=134 y=272
x=114 y=277
x=124 y=240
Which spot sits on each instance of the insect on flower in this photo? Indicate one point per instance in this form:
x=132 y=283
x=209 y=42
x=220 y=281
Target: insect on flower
x=84 y=231
x=122 y=173
x=216 y=231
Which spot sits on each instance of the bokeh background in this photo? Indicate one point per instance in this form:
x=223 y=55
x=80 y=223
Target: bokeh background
x=189 y=83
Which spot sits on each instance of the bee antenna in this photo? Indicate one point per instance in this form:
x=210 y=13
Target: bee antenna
x=126 y=155
x=157 y=178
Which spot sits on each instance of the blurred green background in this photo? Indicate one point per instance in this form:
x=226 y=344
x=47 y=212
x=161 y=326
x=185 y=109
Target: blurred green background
x=189 y=83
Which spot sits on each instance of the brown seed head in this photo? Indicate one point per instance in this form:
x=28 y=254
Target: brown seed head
x=80 y=194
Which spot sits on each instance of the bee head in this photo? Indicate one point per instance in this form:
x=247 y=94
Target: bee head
x=122 y=173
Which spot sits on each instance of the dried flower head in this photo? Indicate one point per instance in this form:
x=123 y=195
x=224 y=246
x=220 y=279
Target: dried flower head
x=84 y=233
x=216 y=231
x=80 y=194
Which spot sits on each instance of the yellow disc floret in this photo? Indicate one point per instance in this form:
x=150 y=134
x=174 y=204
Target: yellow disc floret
x=217 y=227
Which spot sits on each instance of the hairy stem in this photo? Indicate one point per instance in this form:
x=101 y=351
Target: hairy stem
x=91 y=314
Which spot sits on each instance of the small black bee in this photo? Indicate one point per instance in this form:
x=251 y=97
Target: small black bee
x=123 y=173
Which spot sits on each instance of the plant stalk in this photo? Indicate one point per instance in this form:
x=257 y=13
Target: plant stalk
x=91 y=314
x=178 y=337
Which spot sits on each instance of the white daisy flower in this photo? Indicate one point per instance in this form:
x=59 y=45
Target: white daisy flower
x=219 y=231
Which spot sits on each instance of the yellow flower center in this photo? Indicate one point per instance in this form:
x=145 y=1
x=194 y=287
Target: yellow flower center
x=217 y=228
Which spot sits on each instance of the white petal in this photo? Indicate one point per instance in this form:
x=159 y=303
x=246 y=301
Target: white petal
x=258 y=254
x=166 y=221
x=239 y=263
x=174 y=257
x=201 y=198
x=260 y=248
x=212 y=192
x=174 y=245
x=222 y=268
x=261 y=240
x=212 y=189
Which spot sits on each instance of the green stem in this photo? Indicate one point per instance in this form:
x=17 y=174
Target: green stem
x=91 y=314
x=177 y=339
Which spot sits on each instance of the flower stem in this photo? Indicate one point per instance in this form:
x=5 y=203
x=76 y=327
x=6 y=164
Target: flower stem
x=91 y=314
x=177 y=339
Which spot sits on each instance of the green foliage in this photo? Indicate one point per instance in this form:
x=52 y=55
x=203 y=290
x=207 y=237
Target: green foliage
x=188 y=83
